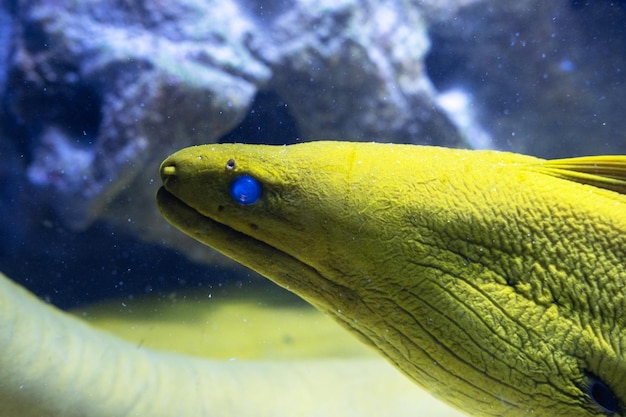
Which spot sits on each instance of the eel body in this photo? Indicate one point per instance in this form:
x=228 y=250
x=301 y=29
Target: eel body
x=493 y=280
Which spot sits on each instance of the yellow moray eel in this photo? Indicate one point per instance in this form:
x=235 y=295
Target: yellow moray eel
x=493 y=280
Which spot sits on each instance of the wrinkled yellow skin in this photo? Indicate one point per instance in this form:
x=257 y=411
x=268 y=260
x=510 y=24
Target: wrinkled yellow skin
x=493 y=280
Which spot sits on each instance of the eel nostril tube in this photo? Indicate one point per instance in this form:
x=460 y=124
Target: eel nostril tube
x=168 y=171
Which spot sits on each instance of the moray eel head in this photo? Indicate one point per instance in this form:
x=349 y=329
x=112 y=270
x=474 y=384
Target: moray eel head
x=493 y=280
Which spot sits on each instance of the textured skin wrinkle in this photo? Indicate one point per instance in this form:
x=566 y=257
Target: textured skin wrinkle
x=425 y=329
x=476 y=342
x=477 y=316
x=494 y=280
x=496 y=305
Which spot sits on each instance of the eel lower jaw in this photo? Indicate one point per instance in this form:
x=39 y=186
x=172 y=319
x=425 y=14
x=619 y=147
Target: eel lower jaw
x=274 y=264
x=280 y=267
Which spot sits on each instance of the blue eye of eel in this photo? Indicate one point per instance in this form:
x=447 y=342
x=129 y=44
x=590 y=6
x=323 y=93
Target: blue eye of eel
x=245 y=190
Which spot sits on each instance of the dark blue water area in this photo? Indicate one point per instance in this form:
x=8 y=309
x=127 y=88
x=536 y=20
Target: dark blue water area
x=80 y=268
x=268 y=122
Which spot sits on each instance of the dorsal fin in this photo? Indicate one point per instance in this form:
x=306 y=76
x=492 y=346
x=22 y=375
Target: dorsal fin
x=605 y=171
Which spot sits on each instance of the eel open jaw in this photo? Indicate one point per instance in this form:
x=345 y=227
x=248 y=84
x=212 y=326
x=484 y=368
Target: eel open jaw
x=284 y=269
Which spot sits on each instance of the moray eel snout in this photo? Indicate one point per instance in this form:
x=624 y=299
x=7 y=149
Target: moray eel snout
x=494 y=280
x=168 y=174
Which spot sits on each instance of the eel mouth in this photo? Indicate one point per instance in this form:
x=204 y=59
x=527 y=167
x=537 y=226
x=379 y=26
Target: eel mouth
x=204 y=229
x=274 y=264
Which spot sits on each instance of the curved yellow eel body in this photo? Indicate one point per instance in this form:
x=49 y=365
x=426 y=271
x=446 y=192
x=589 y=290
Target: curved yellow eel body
x=494 y=280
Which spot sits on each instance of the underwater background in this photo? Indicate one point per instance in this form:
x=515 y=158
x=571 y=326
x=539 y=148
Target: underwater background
x=94 y=95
